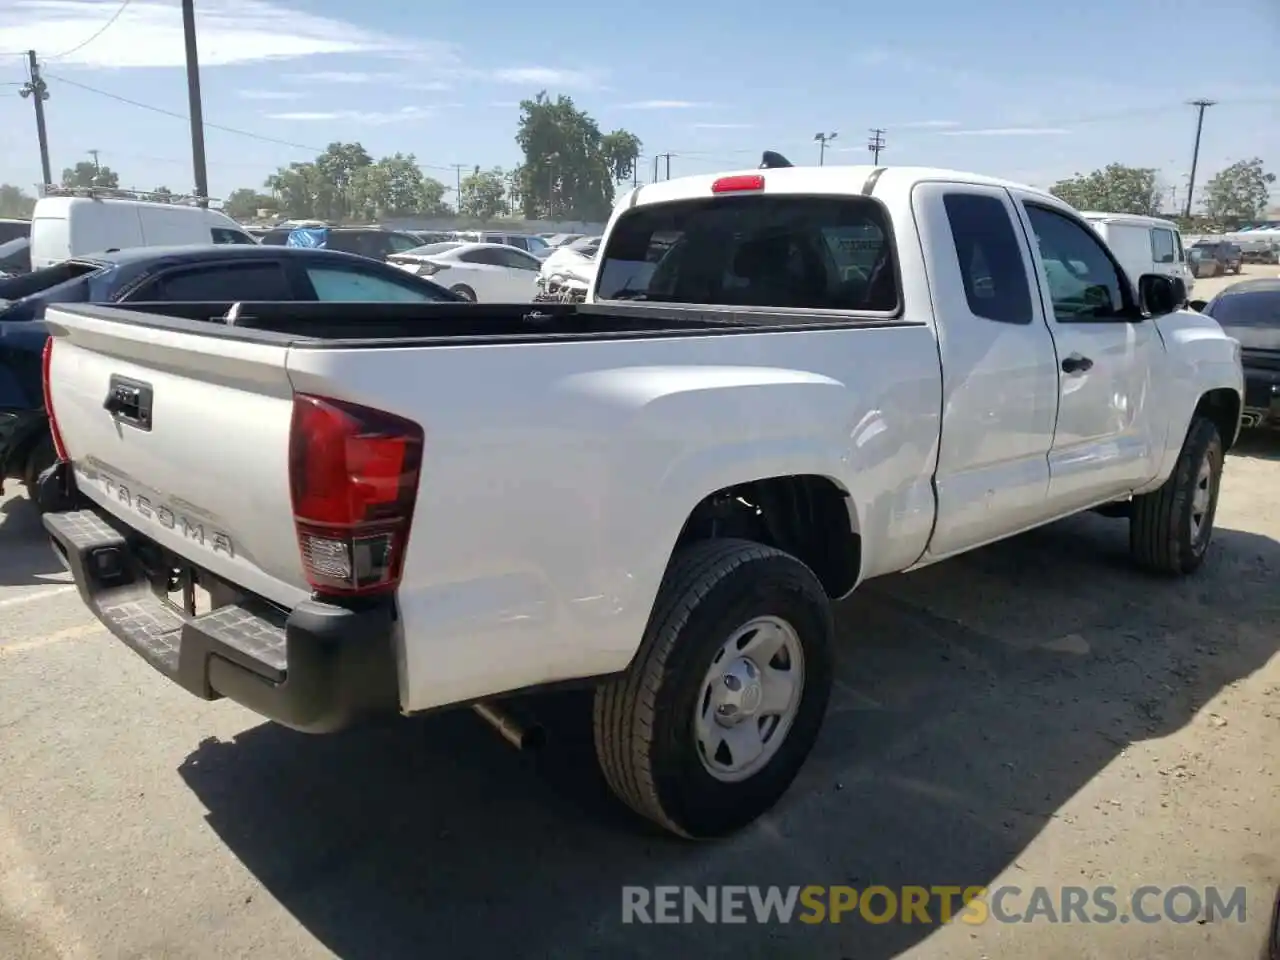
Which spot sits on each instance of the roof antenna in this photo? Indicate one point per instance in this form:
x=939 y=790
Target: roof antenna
x=771 y=160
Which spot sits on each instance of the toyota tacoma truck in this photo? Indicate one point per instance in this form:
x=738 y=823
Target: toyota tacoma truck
x=785 y=381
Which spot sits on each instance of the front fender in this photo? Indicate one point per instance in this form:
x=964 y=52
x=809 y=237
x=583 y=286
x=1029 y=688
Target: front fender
x=1200 y=357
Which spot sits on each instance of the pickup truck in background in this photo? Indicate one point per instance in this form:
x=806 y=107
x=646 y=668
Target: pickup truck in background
x=786 y=381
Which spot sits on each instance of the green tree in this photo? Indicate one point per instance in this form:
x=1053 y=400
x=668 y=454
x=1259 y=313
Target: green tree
x=484 y=194
x=302 y=192
x=395 y=187
x=15 y=202
x=1114 y=189
x=244 y=203
x=1240 y=192
x=341 y=166
x=86 y=173
x=622 y=152
x=567 y=171
x=162 y=193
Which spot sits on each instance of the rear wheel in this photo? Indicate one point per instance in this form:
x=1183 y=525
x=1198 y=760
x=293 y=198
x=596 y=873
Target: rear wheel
x=464 y=291
x=712 y=721
x=1170 y=528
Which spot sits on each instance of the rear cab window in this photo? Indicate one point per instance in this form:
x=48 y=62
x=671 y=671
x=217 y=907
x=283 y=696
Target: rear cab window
x=782 y=251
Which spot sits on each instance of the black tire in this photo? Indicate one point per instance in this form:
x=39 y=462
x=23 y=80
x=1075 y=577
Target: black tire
x=643 y=720
x=40 y=459
x=464 y=291
x=1162 y=535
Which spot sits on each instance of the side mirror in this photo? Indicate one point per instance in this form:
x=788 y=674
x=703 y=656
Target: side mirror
x=1198 y=305
x=1157 y=294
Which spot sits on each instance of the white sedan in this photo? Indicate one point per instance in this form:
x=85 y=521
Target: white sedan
x=485 y=272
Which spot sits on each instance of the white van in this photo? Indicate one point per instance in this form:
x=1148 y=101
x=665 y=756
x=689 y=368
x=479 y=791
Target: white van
x=1143 y=244
x=65 y=226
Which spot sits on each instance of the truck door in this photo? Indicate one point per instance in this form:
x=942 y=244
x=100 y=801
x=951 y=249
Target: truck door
x=1103 y=443
x=999 y=371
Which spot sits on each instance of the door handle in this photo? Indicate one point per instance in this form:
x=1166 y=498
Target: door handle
x=1076 y=364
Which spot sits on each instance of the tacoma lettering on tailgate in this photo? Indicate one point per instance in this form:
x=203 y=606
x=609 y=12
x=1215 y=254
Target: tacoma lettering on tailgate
x=148 y=507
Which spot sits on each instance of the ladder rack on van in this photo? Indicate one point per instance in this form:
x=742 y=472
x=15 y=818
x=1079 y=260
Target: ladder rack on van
x=115 y=193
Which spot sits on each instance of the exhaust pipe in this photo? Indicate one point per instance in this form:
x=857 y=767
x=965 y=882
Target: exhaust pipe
x=521 y=734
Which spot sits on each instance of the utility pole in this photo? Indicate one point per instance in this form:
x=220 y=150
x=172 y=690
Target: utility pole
x=1195 y=154
x=822 y=140
x=551 y=185
x=38 y=91
x=876 y=144
x=199 y=168
x=457 y=186
x=97 y=167
x=662 y=156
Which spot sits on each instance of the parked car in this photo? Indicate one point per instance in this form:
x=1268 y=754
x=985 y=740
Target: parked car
x=75 y=222
x=1250 y=312
x=660 y=493
x=566 y=274
x=1216 y=258
x=484 y=272
x=371 y=242
x=11 y=229
x=562 y=239
x=1144 y=244
x=248 y=273
x=521 y=241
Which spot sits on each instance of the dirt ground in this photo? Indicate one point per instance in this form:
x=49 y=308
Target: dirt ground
x=1036 y=713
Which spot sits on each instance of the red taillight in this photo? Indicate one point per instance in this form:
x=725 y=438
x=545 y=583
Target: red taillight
x=46 y=365
x=746 y=181
x=353 y=478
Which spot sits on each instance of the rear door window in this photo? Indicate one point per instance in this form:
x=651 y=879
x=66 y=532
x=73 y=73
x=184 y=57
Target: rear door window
x=780 y=251
x=219 y=283
x=992 y=269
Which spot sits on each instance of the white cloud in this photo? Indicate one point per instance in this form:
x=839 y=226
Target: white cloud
x=546 y=77
x=662 y=105
x=722 y=126
x=924 y=125
x=268 y=95
x=372 y=118
x=343 y=77
x=1008 y=132
x=148 y=33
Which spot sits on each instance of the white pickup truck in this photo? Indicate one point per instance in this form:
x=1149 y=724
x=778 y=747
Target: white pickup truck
x=788 y=381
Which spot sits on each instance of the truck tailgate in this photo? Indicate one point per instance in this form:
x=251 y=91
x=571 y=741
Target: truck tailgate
x=202 y=469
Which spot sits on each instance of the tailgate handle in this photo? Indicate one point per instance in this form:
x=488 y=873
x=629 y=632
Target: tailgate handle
x=129 y=401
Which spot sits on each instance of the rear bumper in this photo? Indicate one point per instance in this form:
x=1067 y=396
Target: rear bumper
x=317 y=668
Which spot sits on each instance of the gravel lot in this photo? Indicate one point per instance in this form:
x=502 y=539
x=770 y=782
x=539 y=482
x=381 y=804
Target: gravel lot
x=1033 y=713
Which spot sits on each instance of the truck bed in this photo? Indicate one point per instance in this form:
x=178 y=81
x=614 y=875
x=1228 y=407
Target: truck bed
x=454 y=323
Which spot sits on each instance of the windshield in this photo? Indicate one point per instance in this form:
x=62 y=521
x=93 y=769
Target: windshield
x=431 y=248
x=784 y=251
x=1256 y=308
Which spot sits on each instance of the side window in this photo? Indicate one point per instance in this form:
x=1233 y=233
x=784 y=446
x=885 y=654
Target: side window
x=517 y=260
x=1082 y=281
x=991 y=265
x=520 y=243
x=486 y=256
x=401 y=244
x=337 y=285
x=1163 y=247
x=223 y=235
x=234 y=281
x=1180 y=251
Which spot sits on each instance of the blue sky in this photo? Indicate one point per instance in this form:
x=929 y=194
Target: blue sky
x=960 y=85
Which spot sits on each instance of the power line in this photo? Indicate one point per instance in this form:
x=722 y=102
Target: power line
x=213 y=126
x=94 y=36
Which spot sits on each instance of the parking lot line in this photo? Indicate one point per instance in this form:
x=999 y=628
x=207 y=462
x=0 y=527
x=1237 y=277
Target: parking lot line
x=40 y=595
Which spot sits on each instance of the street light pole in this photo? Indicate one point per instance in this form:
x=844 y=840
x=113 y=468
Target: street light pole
x=199 y=168
x=822 y=140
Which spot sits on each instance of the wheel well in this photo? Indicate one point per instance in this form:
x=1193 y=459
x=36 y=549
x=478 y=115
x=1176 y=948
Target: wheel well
x=806 y=516
x=1222 y=407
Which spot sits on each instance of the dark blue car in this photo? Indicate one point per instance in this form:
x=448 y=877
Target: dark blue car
x=156 y=274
